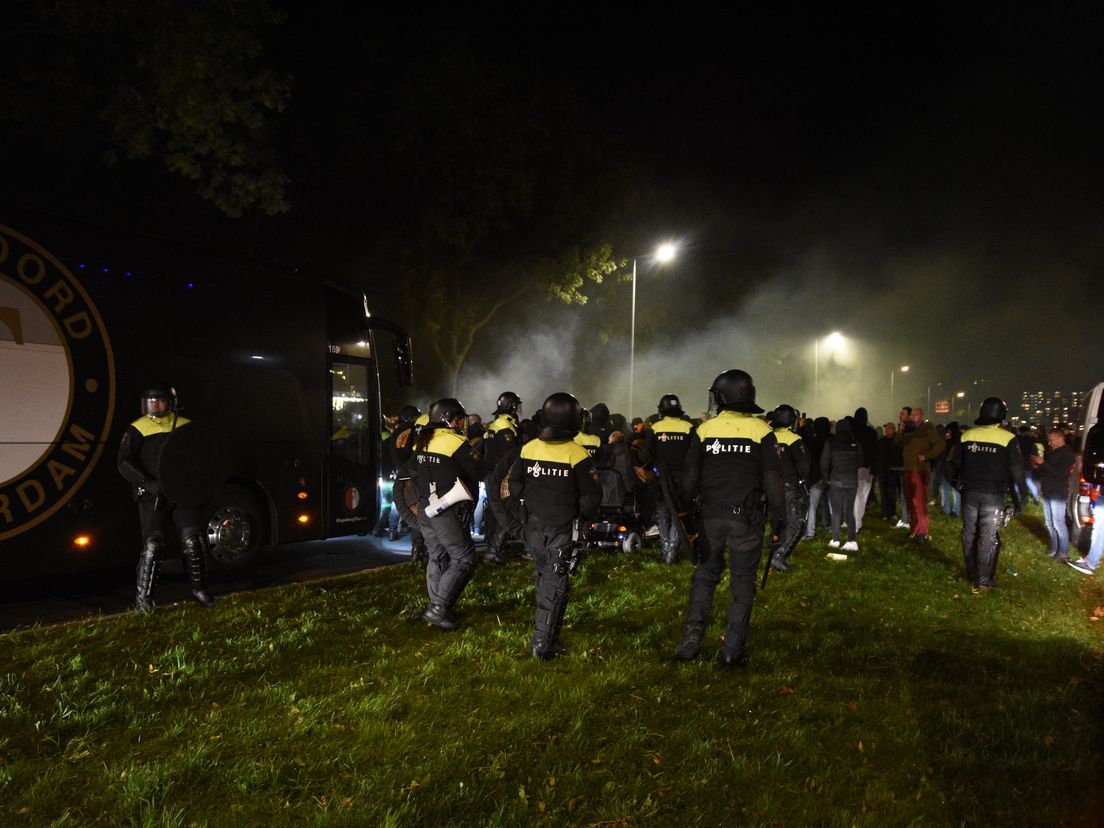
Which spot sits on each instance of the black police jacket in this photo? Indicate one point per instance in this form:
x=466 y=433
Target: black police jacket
x=140 y=451
x=986 y=460
x=446 y=458
x=792 y=457
x=499 y=437
x=558 y=481
x=730 y=457
x=666 y=442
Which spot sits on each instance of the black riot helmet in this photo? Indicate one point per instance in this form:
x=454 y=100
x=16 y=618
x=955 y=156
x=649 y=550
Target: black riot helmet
x=992 y=411
x=159 y=391
x=408 y=414
x=785 y=416
x=734 y=391
x=444 y=411
x=508 y=403
x=561 y=417
x=587 y=419
x=669 y=406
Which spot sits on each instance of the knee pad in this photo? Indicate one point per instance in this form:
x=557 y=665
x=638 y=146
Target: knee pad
x=192 y=541
x=151 y=547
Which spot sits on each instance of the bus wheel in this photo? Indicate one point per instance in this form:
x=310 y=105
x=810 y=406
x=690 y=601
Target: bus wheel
x=235 y=530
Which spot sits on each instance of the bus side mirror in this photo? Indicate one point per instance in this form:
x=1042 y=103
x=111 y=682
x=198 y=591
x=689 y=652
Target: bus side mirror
x=404 y=365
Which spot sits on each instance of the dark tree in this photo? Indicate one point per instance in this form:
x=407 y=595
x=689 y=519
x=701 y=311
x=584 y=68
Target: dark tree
x=181 y=83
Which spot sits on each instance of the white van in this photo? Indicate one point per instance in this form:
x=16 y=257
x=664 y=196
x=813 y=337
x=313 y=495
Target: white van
x=1088 y=445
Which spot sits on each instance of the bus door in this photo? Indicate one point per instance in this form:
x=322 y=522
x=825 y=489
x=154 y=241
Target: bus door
x=352 y=464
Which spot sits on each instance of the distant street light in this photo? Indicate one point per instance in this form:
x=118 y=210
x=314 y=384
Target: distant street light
x=962 y=396
x=833 y=340
x=892 y=402
x=663 y=254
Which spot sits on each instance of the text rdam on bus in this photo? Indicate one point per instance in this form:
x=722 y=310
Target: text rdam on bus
x=280 y=366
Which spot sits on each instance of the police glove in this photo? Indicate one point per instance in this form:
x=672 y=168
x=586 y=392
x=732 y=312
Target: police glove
x=151 y=487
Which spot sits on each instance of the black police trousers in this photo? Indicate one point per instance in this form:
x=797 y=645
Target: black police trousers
x=544 y=541
x=797 y=511
x=982 y=515
x=744 y=542
x=158 y=522
x=451 y=553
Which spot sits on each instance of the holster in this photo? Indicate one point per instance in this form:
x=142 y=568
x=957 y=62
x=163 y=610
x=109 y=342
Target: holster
x=754 y=508
x=567 y=559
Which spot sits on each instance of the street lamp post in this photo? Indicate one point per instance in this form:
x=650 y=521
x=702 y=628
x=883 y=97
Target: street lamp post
x=664 y=253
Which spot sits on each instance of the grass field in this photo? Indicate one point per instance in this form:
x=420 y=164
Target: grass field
x=880 y=692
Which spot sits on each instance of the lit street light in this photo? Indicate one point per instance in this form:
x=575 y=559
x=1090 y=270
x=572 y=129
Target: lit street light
x=892 y=402
x=833 y=339
x=663 y=254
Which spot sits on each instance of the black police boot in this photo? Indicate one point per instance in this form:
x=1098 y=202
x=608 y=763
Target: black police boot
x=197 y=569
x=419 y=555
x=494 y=555
x=690 y=643
x=440 y=616
x=148 y=563
x=730 y=661
x=545 y=633
x=670 y=552
x=780 y=563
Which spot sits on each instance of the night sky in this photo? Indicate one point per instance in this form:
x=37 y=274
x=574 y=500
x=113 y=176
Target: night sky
x=927 y=184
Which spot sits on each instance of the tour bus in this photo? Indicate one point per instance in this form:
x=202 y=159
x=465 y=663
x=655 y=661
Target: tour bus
x=280 y=367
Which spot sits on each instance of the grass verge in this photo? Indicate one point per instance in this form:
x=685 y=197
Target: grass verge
x=881 y=692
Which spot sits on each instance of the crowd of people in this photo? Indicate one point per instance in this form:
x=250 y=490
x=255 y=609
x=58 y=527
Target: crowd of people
x=706 y=485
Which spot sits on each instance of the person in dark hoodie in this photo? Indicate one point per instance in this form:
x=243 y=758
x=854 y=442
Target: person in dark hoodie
x=1053 y=474
x=867 y=438
x=840 y=460
x=888 y=471
x=818 y=485
x=951 y=499
x=600 y=422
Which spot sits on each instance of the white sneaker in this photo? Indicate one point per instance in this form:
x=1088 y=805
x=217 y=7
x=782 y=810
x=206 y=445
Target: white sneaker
x=901 y=525
x=1082 y=566
x=834 y=544
x=851 y=546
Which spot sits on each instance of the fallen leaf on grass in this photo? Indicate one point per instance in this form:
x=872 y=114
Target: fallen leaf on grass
x=1098 y=612
x=1049 y=741
x=854 y=708
x=783 y=690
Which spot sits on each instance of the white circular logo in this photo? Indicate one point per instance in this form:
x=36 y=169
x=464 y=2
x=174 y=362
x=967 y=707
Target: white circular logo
x=58 y=379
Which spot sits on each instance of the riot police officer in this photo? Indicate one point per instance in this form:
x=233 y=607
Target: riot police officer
x=985 y=463
x=500 y=437
x=666 y=442
x=794 y=463
x=139 y=453
x=448 y=475
x=591 y=442
x=731 y=468
x=558 y=482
